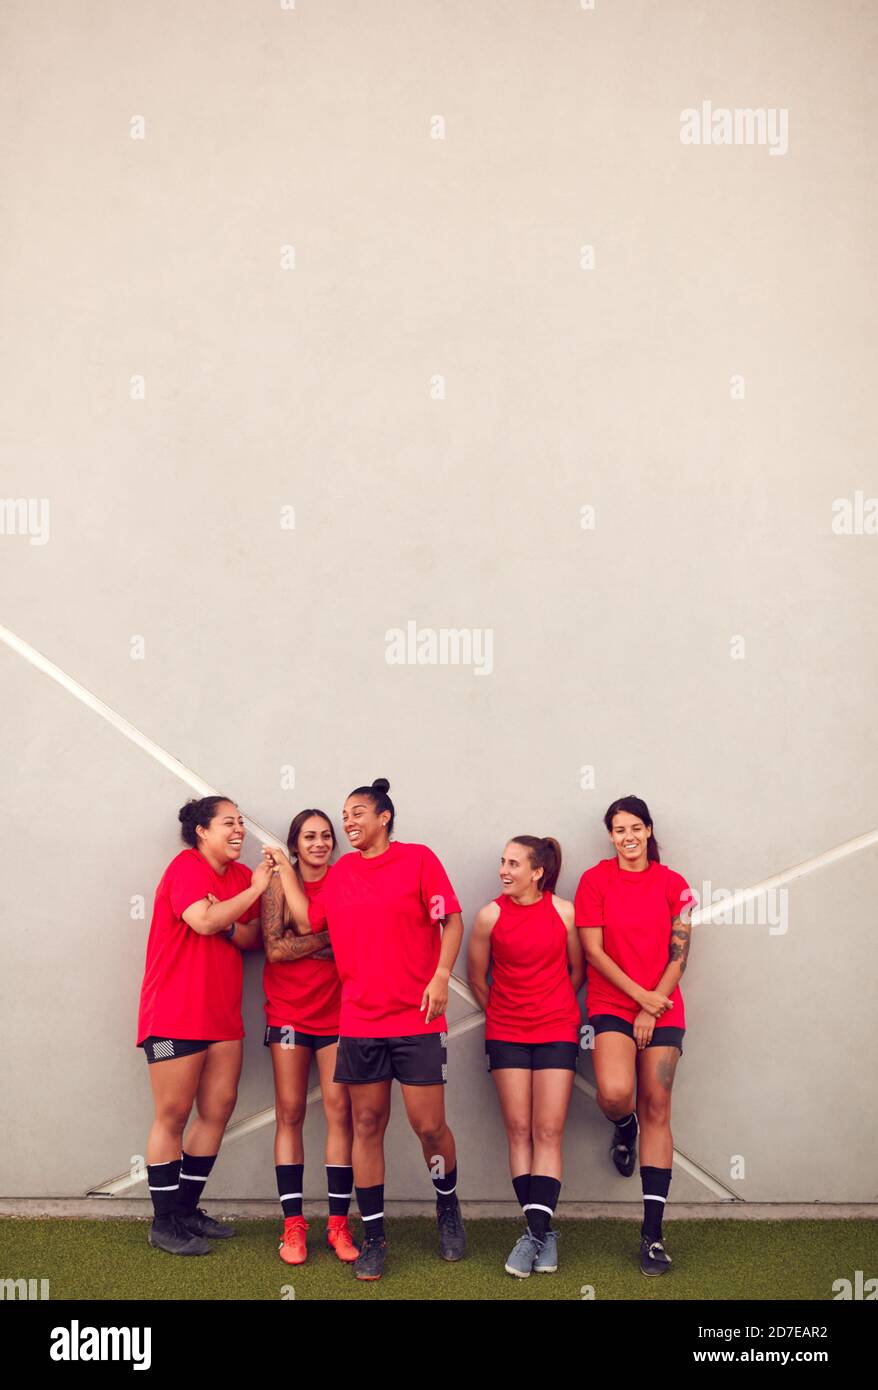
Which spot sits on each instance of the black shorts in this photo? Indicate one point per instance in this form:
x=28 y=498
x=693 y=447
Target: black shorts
x=419 y=1060
x=288 y=1036
x=661 y=1037
x=545 y=1056
x=166 y=1049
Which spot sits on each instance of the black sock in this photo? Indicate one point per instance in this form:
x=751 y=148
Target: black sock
x=541 y=1204
x=370 y=1201
x=522 y=1190
x=627 y=1128
x=444 y=1188
x=194 y=1173
x=164 y=1187
x=656 y=1182
x=289 y=1187
x=340 y=1188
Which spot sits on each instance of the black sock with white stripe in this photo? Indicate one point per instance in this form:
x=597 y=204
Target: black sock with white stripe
x=289 y=1187
x=445 y=1187
x=522 y=1189
x=164 y=1187
x=370 y=1201
x=194 y=1173
x=541 y=1203
x=656 y=1182
x=627 y=1128
x=339 y=1188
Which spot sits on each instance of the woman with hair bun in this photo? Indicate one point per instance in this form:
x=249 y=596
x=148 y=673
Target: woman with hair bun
x=383 y=905
x=206 y=913
x=527 y=938
x=632 y=913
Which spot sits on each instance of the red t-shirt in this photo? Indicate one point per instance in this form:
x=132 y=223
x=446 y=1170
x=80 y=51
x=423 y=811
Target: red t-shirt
x=635 y=910
x=531 y=999
x=303 y=994
x=383 y=917
x=192 y=983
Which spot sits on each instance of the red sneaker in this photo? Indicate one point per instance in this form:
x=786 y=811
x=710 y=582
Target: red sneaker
x=339 y=1239
x=292 y=1249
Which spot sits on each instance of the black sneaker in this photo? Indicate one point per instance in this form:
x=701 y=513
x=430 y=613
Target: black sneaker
x=654 y=1259
x=198 y=1223
x=369 y=1264
x=169 y=1234
x=624 y=1155
x=452 y=1236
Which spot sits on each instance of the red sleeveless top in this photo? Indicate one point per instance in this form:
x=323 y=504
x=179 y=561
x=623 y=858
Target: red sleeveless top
x=531 y=999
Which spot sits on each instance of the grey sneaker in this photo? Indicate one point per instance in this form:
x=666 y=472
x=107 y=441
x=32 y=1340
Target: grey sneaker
x=523 y=1256
x=547 y=1259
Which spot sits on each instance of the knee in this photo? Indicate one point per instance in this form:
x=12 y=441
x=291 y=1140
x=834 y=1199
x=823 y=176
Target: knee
x=430 y=1133
x=518 y=1132
x=548 y=1133
x=616 y=1097
x=290 y=1114
x=370 y=1124
x=654 y=1110
x=172 y=1118
x=218 y=1110
x=338 y=1112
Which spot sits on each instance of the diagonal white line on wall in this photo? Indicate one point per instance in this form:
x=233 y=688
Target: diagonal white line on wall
x=185 y=774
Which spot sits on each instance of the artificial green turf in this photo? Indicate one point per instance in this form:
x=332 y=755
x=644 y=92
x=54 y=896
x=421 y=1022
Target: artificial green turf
x=110 y=1259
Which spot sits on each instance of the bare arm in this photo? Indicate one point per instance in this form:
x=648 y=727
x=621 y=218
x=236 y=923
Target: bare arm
x=575 y=954
x=479 y=953
x=247 y=935
x=435 y=997
x=678 y=956
x=281 y=943
x=208 y=916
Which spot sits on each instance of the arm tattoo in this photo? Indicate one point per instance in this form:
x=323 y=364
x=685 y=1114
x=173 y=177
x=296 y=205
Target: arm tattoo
x=290 y=947
x=679 y=945
x=273 y=904
x=281 y=942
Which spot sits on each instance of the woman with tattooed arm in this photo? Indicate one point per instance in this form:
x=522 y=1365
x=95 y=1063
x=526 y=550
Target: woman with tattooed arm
x=302 y=1003
x=632 y=914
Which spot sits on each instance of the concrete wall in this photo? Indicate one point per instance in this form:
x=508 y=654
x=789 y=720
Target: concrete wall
x=702 y=645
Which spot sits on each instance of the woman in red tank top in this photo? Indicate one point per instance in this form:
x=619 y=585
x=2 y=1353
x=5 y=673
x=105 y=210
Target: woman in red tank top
x=302 y=1004
x=527 y=938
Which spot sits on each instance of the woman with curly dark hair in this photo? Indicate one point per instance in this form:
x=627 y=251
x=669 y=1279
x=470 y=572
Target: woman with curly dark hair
x=206 y=913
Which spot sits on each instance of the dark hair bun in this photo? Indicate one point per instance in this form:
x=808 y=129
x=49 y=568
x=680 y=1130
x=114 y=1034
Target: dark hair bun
x=381 y=784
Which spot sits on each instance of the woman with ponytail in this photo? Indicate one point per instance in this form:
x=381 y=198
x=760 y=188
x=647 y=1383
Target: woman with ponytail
x=206 y=913
x=632 y=913
x=383 y=906
x=302 y=1002
x=527 y=938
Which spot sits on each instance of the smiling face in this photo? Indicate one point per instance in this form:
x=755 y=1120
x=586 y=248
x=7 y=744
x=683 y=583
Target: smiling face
x=518 y=877
x=630 y=837
x=223 y=839
x=315 y=843
x=365 y=828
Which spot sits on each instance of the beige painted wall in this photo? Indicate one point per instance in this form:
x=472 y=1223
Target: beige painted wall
x=706 y=388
